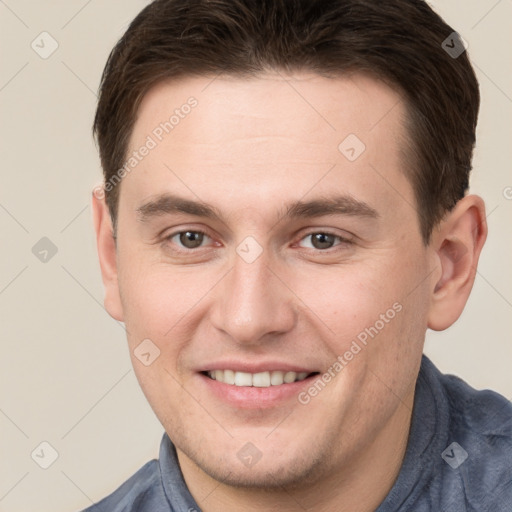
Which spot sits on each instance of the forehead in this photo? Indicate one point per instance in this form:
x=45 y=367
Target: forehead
x=268 y=103
x=274 y=134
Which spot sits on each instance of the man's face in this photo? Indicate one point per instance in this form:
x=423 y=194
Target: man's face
x=276 y=281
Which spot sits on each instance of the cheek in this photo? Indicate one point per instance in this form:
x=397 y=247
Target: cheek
x=379 y=305
x=157 y=302
x=157 y=297
x=348 y=299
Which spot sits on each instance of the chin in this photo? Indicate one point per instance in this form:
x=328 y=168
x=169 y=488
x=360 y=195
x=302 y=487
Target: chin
x=291 y=471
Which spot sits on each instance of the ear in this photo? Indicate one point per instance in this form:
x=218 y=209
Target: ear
x=457 y=243
x=107 y=253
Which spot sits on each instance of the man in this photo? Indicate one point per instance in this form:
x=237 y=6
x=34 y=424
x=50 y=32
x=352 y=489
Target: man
x=284 y=214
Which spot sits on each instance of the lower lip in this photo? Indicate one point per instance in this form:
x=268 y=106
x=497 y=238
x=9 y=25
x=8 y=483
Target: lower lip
x=251 y=397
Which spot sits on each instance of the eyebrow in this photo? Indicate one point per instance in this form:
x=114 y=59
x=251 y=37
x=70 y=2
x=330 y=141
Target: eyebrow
x=337 y=205
x=165 y=204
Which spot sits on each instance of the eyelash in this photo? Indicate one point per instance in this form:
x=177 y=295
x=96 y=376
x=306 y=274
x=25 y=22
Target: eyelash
x=342 y=240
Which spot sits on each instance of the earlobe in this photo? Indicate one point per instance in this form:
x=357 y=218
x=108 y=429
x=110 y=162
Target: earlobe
x=458 y=243
x=107 y=253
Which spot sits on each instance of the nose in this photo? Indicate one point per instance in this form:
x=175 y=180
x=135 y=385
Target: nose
x=253 y=303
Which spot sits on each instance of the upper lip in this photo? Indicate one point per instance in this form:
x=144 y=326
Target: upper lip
x=253 y=367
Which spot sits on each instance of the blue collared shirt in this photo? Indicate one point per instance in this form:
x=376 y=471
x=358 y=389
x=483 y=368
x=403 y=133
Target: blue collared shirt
x=458 y=458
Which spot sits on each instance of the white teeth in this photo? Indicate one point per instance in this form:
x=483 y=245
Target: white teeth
x=229 y=377
x=289 y=377
x=259 y=380
x=276 y=378
x=241 y=378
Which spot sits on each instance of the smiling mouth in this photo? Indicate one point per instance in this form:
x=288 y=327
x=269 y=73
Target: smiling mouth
x=258 y=380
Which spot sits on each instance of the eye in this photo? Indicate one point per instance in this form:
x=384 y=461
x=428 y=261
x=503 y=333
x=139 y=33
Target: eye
x=188 y=239
x=322 y=240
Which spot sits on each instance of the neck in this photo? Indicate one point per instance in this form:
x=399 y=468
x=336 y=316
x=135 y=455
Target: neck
x=359 y=486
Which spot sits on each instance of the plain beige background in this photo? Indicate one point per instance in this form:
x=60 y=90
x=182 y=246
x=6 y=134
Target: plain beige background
x=66 y=377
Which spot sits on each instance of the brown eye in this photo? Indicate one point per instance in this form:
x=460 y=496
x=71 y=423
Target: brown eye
x=322 y=240
x=190 y=239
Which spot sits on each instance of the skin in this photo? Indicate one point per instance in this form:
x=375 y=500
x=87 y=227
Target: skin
x=248 y=148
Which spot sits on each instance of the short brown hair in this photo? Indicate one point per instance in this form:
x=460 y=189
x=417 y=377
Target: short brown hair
x=398 y=41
